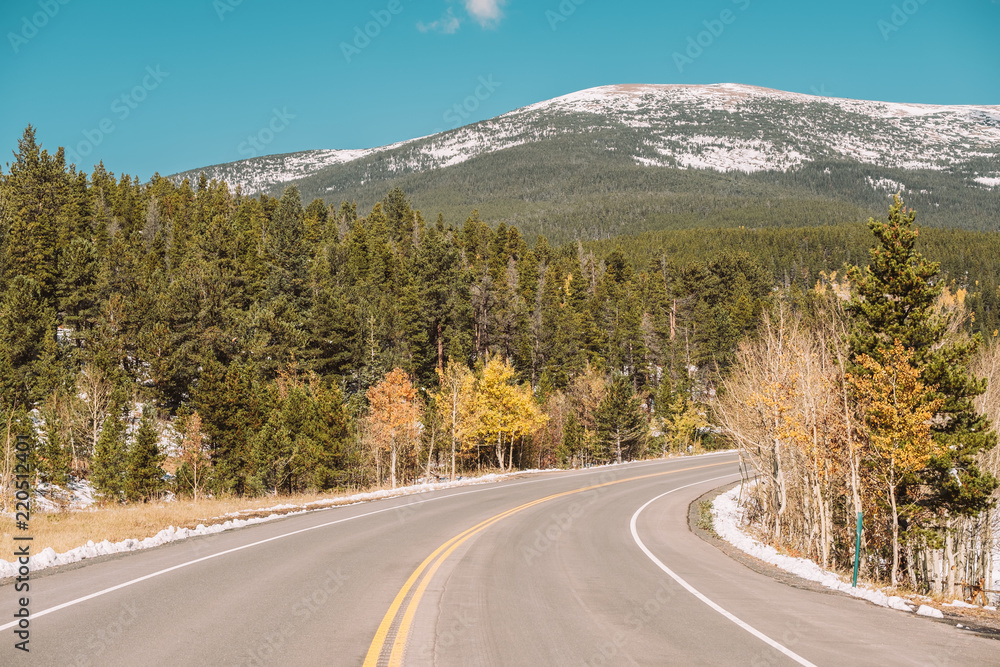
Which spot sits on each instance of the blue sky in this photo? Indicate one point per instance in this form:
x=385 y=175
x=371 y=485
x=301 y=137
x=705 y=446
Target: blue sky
x=165 y=87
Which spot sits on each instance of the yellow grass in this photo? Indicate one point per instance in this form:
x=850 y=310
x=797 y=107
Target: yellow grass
x=67 y=530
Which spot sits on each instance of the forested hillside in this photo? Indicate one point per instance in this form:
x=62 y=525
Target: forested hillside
x=270 y=342
x=627 y=159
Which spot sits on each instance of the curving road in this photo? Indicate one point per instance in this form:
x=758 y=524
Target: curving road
x=581 y=568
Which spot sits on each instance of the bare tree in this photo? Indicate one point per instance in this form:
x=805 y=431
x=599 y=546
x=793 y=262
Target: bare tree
x=95 y=395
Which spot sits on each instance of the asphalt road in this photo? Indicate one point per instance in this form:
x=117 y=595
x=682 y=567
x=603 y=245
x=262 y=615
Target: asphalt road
x=549 y=569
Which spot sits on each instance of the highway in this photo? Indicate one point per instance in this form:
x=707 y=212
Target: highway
x=594 y=567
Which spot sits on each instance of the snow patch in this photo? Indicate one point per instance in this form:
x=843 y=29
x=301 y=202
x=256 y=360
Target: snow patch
x=76 y=495
x=724 y=127
x=886 y=184
x=924 y=610
x=728 y=521
x=960 y=603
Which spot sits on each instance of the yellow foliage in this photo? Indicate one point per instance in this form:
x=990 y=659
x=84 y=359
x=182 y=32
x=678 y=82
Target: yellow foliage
x=454 y=397
x=499 y=408
x=394 y=410
x=898 y=409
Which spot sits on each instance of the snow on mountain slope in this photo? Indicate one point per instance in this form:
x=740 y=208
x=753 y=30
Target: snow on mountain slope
x=723 y=127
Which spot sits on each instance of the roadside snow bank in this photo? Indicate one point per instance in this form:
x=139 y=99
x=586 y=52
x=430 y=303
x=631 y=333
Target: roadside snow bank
x=924 y=610
x=49 y=558
x=728 y=520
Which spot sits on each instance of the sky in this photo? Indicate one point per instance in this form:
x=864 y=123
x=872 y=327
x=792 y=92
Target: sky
x=162 y=87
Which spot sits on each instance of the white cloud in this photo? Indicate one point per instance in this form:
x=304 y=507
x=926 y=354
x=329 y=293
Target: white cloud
x=447 y=24
x=486 y=12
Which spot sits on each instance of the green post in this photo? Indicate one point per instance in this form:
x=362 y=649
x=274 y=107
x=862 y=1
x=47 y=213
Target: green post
x=857 y=551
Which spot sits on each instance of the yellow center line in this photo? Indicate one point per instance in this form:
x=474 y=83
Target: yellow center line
x=433 y=562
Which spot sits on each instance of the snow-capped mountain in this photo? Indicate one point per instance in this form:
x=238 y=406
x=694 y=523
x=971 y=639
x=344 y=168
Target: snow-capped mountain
x=722 y=128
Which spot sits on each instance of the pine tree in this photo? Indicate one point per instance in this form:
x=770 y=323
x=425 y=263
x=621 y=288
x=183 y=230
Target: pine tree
x=28 y=350
x=54 y=456
x=893 y=306
x=302 y=445
x=34 y=193
x=143 y=474
x=108 y=465
x=232 y=408
x=622 y=427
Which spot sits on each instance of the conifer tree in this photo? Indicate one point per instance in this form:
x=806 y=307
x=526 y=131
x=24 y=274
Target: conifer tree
x=34 y=193
x=109 y=462
x=53 y=454
x=28 y=352
x=622 y=428
x=143 y=474
x=894 y=301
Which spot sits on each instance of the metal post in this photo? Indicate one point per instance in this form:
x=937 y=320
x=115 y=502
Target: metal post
x=857 y=551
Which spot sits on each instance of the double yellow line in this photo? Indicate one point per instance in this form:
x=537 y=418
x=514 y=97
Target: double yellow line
x=432 y=563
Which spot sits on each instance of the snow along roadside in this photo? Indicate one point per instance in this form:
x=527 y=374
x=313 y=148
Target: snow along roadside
x=49 y=558
x=727 y=520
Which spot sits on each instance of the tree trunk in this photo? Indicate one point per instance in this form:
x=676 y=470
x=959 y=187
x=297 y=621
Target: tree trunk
x=949 y=559
x=894 y=578
x=430 y=455
x=392 y=465
x=911 y=566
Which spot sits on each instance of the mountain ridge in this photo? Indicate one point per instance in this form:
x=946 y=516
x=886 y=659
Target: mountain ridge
x=451 y=147
x=607 y=139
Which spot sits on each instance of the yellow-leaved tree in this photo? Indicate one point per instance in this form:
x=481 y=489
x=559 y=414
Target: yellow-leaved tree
x=501 y=412
x=898 y=408
x=456 y=384
x=393 y=419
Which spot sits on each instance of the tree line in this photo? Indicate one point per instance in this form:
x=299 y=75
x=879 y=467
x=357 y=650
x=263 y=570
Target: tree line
x=260 y=345
x=254 y=334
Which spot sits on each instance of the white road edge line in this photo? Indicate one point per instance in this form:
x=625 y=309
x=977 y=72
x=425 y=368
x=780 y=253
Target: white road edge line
x=112 y=589
x=239 y=548
x=698 y=594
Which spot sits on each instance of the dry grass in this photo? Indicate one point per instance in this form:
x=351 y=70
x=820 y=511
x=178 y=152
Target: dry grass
x=67 y=530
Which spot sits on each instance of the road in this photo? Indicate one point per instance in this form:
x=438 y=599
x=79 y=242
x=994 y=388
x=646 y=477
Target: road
x=592 y=567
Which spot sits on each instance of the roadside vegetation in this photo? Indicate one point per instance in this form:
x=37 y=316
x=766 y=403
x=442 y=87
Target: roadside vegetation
x=865 y=396
x=182 y=340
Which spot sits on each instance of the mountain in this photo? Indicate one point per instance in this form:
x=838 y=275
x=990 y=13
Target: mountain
x=631 y=158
